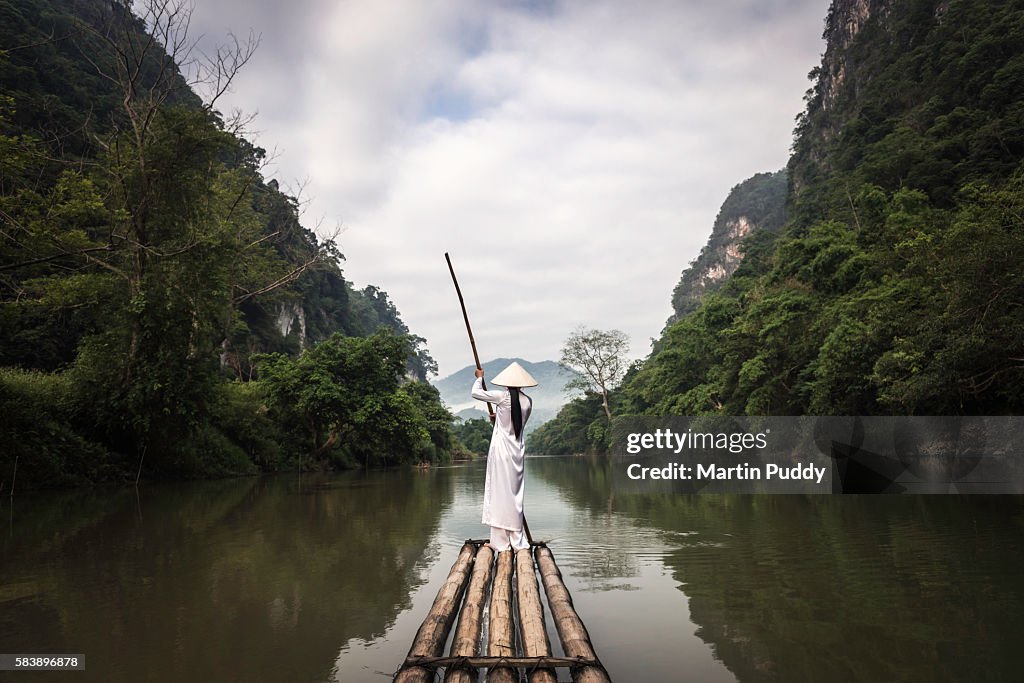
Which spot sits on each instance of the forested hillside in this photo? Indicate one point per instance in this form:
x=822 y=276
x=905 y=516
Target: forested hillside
x=147 y=268
x=896 y=285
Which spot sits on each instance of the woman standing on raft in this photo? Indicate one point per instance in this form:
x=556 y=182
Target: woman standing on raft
x=503 y=487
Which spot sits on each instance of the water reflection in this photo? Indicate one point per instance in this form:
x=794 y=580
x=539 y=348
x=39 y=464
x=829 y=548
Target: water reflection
x=237 y=580
x=835 y=588
x=328 y=579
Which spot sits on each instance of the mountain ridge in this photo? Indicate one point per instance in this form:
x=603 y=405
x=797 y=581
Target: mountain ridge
x=547 y=397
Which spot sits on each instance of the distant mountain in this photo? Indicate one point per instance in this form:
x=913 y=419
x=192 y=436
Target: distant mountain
x=547 y=397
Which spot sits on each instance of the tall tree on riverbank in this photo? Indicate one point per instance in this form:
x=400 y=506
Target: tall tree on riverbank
x=598 y=357
x=185 y=247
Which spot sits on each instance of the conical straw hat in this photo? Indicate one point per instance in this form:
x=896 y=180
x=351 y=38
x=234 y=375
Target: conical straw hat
x=514 y=376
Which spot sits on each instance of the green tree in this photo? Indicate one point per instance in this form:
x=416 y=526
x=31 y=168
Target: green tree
x=347 y=394
x=437 y=420
x=599 y=359
x=474 y=434
x=571 y=430
x=154 y=244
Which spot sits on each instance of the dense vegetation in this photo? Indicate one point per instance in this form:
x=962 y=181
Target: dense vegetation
x=474 y=434
x=157 y=295
x=896 y=285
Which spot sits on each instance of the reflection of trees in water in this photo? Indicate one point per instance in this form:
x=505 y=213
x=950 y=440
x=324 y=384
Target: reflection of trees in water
x=221 y=581
x=853 y=588
x=836 y=587
x=584 y=483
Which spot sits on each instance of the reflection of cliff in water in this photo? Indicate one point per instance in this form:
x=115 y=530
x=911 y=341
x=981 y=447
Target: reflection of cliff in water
x=263 y=579
x=836 y=587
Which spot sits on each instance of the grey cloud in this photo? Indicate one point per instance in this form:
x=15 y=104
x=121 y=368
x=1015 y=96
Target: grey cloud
x=594 y=144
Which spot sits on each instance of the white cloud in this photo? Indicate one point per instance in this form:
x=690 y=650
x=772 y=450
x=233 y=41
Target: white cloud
x=571 y=160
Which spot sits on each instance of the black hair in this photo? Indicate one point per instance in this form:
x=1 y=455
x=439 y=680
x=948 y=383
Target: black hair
x=517 y=411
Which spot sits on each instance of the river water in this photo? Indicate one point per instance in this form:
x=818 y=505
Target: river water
x=327 y=579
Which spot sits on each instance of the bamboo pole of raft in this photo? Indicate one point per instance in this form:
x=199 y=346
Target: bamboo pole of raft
x=500 y=628
x=467 y=633
x=531 y=617
x=571 y=631
x=433 y=633
x=483 y=661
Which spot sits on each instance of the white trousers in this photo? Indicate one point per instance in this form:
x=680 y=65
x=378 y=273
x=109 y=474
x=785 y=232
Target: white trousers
x=503 y=539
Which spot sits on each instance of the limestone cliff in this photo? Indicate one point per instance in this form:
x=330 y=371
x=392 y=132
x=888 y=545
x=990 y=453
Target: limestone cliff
x=757 y=203
x=836 y=85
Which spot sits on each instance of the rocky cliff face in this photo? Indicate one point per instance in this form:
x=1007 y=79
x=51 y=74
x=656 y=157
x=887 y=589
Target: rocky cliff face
x=834 y=87
x=757 y=203
x=291 y=316
x=845 y=20
x=833 y=101
x=909 y=94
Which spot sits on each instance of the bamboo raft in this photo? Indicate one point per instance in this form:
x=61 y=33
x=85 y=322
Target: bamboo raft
x=510 y=591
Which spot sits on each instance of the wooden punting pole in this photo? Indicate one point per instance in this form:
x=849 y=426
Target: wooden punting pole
x=500 y=630
x=571 y=631
x=433 y=633
x=467 y=633
x=531 y=617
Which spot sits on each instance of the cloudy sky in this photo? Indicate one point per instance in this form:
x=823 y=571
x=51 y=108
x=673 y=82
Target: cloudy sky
x=571 y=156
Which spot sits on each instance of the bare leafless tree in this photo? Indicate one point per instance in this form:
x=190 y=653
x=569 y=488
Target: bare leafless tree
x=152 y=66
